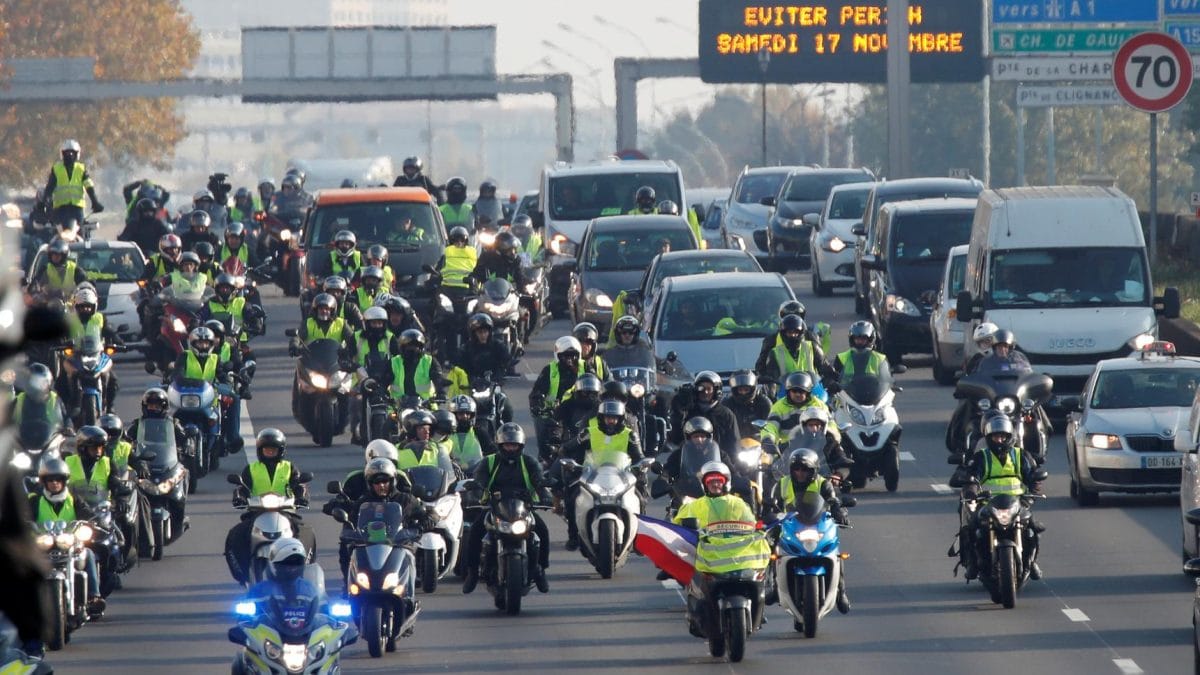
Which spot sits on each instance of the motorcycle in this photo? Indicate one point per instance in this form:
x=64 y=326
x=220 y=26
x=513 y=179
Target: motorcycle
x=498 y=299
x=287 y=635
x=1019 y=394
x=106 y=543
x=272 y=514
x=509 y=544
x=1003 y=519
x=179 y=314
x=753 y=462
x=382 y=574
x=320 y=389
x=165 y=485
x=196 y=405
x=870 y=429
x=279 y=243
x=686 y=488
x=38 y=438
x=641 y=383
x=87 y=369
x=535 y=298
x=607 y=506
x=438 y=549
x=491 y=403
x=808 y=563
x=726 y=608
x=65 y=544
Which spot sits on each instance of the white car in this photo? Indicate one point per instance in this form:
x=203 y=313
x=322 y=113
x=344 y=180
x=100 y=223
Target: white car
x=946 y=330
x=113 y=267
x=831 y=242
x=1187 y=443
x=1121 y=431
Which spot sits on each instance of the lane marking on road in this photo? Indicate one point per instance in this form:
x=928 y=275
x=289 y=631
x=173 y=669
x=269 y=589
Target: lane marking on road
x=942 y=488
x=906 y=456
x=672 y=585
x=1076 y=615
x=248 y=435
x=1127 y=666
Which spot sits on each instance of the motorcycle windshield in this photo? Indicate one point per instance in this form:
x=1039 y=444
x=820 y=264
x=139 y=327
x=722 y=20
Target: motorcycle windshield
x=633 y=375
x=637 y=356
x=511 y=509
x=810 y=507
x=380 y=521
x=867 y=389
x=292 y=616
x=691 y=460
x=428 y=482
x=487 y=211
x=90 y=347
x=321 y=356
x=158 y=437
x=995 y=367
x=497 y=290
x=35 y=432
x=191 y=302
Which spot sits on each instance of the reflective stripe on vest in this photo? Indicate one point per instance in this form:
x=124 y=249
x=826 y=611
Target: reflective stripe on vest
x=1004 y=479
x=421 y=381
x=720 y=553
x=65 y=514
x=494 y=468
x=68 y=190
x=334 y=332
x=788 y=365
x=262 y=483
x=407 y=458
x=194 y=370
x=455 y=214
x=606 y=449
x=185 y=286
x=62 y=282
x=460 y=261
x=788 y=489
x=552 y=393
x=466 y=450
x=873 y=362
x=97 y=483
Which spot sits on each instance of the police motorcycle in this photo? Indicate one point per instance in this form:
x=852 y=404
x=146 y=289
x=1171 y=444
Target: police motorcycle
x=320 y=390
x=14 y=661
x=273 y=516
x=382 y=574
x=164 y=483
x=607 y=506
x=86 y=368
x=498 y=299
x=808 y=562
x=65 y=544
x=438 y=549
x=196 y=405
x=1018 y=393
x=290 y=635
x=866 y=416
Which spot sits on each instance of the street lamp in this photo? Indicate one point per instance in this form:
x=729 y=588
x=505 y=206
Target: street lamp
x=824 y=93
x=764 y=63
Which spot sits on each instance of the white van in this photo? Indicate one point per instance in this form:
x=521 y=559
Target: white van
x=1065 y=268
x=573 y=194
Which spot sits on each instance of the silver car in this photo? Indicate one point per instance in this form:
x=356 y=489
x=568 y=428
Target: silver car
x=746 y=216
x=831 y=241
x=113 y=267
x=946 y=329
x=1121 y=434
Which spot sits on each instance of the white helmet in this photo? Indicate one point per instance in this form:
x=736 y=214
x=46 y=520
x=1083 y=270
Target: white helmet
x=381 y=448
x=71 y=145
x=375 y=313
x=714 y=467
x=814 y=412
x=567 y=343
x=285 y=548
x=985 y=335
x=86 y=296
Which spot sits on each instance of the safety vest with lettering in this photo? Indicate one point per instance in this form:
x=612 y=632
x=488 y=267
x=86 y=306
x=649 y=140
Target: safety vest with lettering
x=336 y=266
x=407 y=458
x=68 y=189
x=789 y=365
x=874 y=361
x=1003 y=479
x=494 y=468
x=80 y=330
x=47 y=514
x=421 y=380
x=194 y=369
x=63 y=281
x=787 y=489
x=734 y=543
x=315 y=332
x=366 y=350
x=186 y=286
x=466 y=450
x=607 y=449
x=460 y=262
x=97 y=483
x=119 y=453
x=261 y=481
x=364 y=298
x=455 y=214
x=49 y=410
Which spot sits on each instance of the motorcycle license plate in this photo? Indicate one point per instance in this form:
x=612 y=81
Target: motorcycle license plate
x=1162 y=461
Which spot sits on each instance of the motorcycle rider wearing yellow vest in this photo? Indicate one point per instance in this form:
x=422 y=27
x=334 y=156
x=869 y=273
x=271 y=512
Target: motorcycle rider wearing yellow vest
x=235 y=246
x=226 y=307
x=605 y=440
x=472 y=440
x=791 y=354
x=589 y=360
x=67 y=184
x=55 y=503
x=414 y=373
x=322 y=322
x=61 y=275
x=785 y=413
x=39 y=401
x=370 y=286
x=85 y=321
x=531 y=242
x=199 y=361
x=345 y=260
x=117 y=449
x=861 y=358
x=187 y=280
x=555 y=380
x=377 y=255
x=91 y=474
x=644 y=202
x=371 y=347
x=456 y=211
x=459 y=260
x=419 y=448
x=1002 y=468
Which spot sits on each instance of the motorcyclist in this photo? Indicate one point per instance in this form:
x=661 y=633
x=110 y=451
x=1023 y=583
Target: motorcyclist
x=418 y=448
x=198 y=226
x=145 y=228
x=285 y=579
x=698 y=439
x=1002 y=468
x=701 y=399
x=604 y=438
x=53 y=502
x=459 y=261
x=444 y=426
x=401 y=317
x=155 y=405
x=344 y=259
x=793 y=354
x=229 y=307
x=91 y=471
x=291 y=188
x=266 y=193
x=414 y=372
x=473 y=439
x=67 y=183
x=861 y=358
x=166 y=261
x=370 y=286
x=482 y=356
x=322 y=323
x=383 y=482
x=412 y=176
x=125 y=466
x=745 y=401
x=456 y=211
x=769 y=342
x=996 y=349
x=235 y=246
x=199 y=361
x=502 y=262
x=785 y=413
x=377 y=255
x=206 y=201
x=84 y=321
x=579 y=405
x=116 y=448
x=555 y=380
x=644 y=202
x=207 y=255
x=531 y=242
x=371 y=347
x=245 y=204
x=140 y=189
x=39 y=401
x=337 y=287
x=510 y=473
x=60 y=276
x=487 y=209
x=815 y=420
x=626 y=346
x=187 y=279
x=591 y=361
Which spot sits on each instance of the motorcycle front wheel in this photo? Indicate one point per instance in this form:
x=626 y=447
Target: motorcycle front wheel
x=514 y=585
x=58 y=618
x=606 y=548
x=735 y=625
x=429 y=570
x=812 y=605
x=372 y=629
x=1008 y=577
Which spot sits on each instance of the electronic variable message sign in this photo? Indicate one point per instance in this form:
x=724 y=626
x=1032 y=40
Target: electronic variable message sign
x=836 y=41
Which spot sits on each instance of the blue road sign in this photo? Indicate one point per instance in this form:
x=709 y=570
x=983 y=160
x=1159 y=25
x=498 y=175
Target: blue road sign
x=1181 y=8
x=1084 y=11
x=1187 y=32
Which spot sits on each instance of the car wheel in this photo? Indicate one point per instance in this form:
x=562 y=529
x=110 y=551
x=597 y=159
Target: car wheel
x=819 y=288
x=941 y=374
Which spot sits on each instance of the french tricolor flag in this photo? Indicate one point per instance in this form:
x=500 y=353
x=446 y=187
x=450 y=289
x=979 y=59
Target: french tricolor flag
x=672 y=548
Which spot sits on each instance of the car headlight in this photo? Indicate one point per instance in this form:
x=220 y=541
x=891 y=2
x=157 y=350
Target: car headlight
x=637 y=390
x=445 y=506
x=1007 y=406
x=318 y=380
x=294 y=657
x=362 y=579
x=84 y=533
x=391 y=580
x=64 y=540
x=178 y=325
x=45 y=541
x=597 y=297
x=189 y=401
x=519 y=527
x=1104 y=441
x=896 y=303
x=879 y=415
x=561 y=245
x=272 y=650
x=857 y=417
x=835 y=245
x=21 y=461
x=809 y=539
x=1141 y=341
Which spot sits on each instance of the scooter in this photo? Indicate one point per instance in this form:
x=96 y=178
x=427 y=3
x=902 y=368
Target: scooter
x=439 y=548
x=382 y=574
x=870 y=429
x=320 y=389
x=286 y=635
x=809 y=564
x=272 y=521
x=726 y=608
x=607 y=506
x=165 y=485
x=65 y=544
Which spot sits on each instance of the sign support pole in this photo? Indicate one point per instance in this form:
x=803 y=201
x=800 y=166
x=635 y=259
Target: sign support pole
x=986 y=119
x=899 y=90
x=1020 y=147
x=1051 y=169
x=1153 y=187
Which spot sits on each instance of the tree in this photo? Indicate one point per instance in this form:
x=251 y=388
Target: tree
x=131 y=40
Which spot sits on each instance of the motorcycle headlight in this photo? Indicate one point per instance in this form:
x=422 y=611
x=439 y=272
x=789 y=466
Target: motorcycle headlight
x=178 y=325
x=285 y=235
x=857 y=417
x=1003 y=517
x=45 y=541
x=879 y=415
x=316 y=652
x=84 y=533
x=1104 y=441
x=391 y=580
x=362 y=579
x=749 y=457
x=637 y=390
x=21 y=462
x=560 y=245
x=89 y=362
x=445 y=304
x=165 y=486
x=486 y=238
x=519 y=527
x=318 y=380
x=64 y=540
x=597 y=297
x=1007 y=406
x=272 y=650
x=444 y=507
x=294 y=657
x=835 y=245
x=271 y=501
x=896 y=303
x=189 y=401
x=809 y=539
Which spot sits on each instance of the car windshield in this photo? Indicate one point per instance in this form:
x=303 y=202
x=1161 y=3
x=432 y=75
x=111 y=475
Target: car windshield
x=848 y=204
x=388 y=223
x=928 y=237
x=682 y=267
x=755 y=186
x=112 y=265
x=1145 y=388
x=1059 y=277
x=633 y=249
x=815 y=186
x=588 y=196
x=695 y=314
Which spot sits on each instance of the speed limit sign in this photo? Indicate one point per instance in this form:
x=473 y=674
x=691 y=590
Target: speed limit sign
x=1152 y=72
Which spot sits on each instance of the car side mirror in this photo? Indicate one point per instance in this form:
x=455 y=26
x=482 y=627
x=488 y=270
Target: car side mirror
x=858 y=230
x=767 y=201
x=1071 y=403
x=1168 y=305
x=333 y=487
x=813 y=220
x=849 y=501
x=964 y=306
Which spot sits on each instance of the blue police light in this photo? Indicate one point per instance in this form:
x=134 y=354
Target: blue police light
x=340 y=610
x=245 y=608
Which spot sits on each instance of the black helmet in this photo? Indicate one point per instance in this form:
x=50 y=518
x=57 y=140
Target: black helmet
x=90 y=436
x=589 y=384
x=792 y=307
x=444 y=422
x=204 y=250
x=112 y=425
x=459 y=235
x=145 y=204
x=155 y=403
x=862 y=329
x=698 y=425
x=585 y=331
x=806 y=460
x=508 y=245
x=291 y=181
x=645 y=198
x=1006 y=337
x=243 y=193
x=791 y=330
x=59 y=247
x=615 y=389
x=510 y=432
x=456 y=189
x=480 y=320
x=412 y=163
x=668 y=208
x=628 y=325
x=217 y=328
x=394 y=304
x=298 y=174
x=800 y=380
x=412 y=336
x=235 y=229
x=742 y=384
x=270 y=437
x=417 y=418
x=487 y=188
x=225 y=285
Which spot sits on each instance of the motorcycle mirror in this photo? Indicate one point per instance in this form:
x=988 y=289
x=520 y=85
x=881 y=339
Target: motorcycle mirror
x=149 y=367
x=900 y=369
x=428 y=269
x=569 y=464
x=849 y=501
x=305 y=477
x=672 y=356
x=333 y=487
x=954 y=459
x=148 y=456
x=1193 y=517
x=759 y=424
x=897 y=388
x=233 y=479
x=341 y=516
x=237 y=635
x=290 y=332
x=1040 y=474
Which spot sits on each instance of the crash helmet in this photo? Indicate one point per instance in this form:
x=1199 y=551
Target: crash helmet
x=510 y=433
x=417 y=418
x=803 y=464
x=54 y=469
x=612 y=417
x=200 y=340
x=112 y=426
x=155 y=403
x=698 y=425
x=508 y=245
x=381 y=448
x=715 y=477
x=742 y=385
x=862 y=336
x=668 y=208
x=459 y=235
x=288 y=558
x=792 y=307
x=39 y=383
x=270 y=438
x=224 y=286
x=170 y=245
x=59 y=248
x=791 y=330
x=812 y=414
x=324 y=307
x=645 y=199
x=998 y=431
x=345 y=241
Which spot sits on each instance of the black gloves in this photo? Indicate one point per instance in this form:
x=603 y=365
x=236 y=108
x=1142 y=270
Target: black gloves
x=841 y=516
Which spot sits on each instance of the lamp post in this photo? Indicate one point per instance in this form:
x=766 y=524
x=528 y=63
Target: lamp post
x=824 y=93
x=764 y=63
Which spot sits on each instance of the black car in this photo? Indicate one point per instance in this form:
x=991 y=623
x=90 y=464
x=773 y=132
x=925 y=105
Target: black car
x=898 y=191
x=804 y=192
x=913 y=240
